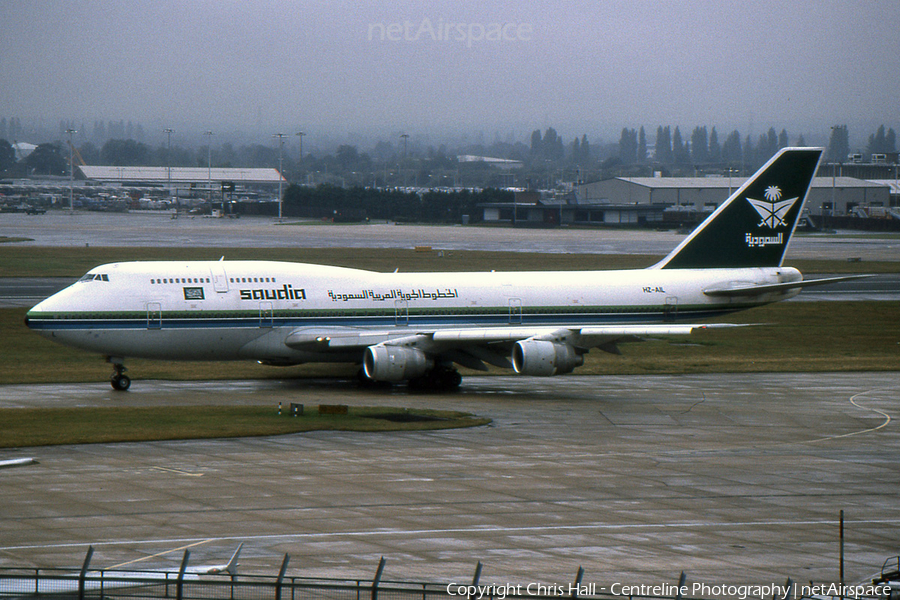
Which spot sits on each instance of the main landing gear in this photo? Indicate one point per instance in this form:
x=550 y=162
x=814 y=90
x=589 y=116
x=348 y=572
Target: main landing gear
x=439 y=379
x=119 y=381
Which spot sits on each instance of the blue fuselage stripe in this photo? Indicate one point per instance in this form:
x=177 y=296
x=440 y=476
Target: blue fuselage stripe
x=430 y=321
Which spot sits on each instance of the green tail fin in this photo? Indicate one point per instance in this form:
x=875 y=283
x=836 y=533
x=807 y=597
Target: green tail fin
x=754 y=226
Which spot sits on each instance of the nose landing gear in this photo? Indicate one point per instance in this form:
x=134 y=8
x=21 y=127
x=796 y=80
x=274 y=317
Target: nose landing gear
x=119 y=381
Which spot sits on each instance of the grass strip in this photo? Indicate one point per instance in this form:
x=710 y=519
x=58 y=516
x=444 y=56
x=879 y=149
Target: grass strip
x=23 y=427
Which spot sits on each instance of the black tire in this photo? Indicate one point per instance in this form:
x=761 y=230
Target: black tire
x=120 y=383
x=437 y=380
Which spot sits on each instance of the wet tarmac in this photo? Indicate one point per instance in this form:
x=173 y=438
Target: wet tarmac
x=731 y=478
x=160 y=229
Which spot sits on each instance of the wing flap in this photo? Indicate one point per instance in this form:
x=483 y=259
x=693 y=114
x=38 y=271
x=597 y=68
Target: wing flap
x=335 y=338
x=592 y=336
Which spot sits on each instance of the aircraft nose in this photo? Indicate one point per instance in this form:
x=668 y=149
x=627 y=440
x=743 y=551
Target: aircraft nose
x=31 y=315
x=39 y=312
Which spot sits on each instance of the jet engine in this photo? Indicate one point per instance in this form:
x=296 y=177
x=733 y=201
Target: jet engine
x=542 y=358
x=395 y=363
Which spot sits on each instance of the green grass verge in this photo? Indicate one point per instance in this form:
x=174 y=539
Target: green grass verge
x=55 y=426
x=785 y=337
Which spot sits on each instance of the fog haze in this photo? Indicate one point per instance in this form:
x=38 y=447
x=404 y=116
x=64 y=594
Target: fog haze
x=365 y=68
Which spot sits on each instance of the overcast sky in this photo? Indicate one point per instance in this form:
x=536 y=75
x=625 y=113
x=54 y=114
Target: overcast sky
x=376 y=68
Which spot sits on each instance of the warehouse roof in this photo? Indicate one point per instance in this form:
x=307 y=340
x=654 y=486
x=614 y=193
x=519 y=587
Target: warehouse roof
x=179 y=174
x=735 y=182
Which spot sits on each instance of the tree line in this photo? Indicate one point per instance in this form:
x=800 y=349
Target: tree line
x=547 y=159
x=703 y=147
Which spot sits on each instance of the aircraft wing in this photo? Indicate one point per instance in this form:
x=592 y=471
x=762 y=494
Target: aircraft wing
x=478 y=342
x=604 y=337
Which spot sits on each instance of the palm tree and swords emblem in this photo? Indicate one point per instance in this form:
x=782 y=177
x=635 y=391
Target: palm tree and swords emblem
x=773 y=209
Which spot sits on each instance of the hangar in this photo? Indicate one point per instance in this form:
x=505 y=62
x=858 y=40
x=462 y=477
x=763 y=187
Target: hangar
x=681 y=201
x=833 y=196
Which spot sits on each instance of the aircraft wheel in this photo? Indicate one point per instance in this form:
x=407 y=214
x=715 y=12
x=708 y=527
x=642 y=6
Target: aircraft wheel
x=371 y=384
x=441 y=379
x=120 y=383
x=454 y=380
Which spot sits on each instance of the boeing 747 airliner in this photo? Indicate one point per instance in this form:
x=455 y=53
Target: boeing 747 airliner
x=417 y=326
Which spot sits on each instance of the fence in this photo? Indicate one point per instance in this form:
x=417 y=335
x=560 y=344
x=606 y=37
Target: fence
x=68 y=584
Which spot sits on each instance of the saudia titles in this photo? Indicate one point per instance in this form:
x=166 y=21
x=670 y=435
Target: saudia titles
x=286 y=292
x=773 y=211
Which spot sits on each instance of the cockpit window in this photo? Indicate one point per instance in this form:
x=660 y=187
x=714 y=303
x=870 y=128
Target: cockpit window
x=95 y=277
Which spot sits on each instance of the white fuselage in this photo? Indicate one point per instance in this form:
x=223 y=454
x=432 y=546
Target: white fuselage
x=237 y=310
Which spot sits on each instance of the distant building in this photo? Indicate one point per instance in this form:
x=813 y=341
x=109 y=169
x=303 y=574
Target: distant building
x=533 y=208
x=23 y=149
x=500 y=163
x=834 y=196
x=138 y=176
x=674 y=201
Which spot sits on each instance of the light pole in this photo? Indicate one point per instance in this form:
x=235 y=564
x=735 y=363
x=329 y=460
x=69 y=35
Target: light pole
x=300 y=134
x=208 y=135
x=730 y=172
x=405 y=137
x=280 y=137
x=71 y=131
x=833 y=178
x=168 y=131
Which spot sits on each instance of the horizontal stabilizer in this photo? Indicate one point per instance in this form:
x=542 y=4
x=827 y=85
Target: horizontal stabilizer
x=757 y=290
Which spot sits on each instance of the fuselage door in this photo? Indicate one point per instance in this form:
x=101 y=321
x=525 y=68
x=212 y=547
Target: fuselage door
x=266 y=314
x=515 y=311
x=220 y=280
x=401 y=313
x=154 y=315
x=671 y=309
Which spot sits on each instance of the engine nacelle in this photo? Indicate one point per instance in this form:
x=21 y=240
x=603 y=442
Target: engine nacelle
x=542 y=358
x=395 y=363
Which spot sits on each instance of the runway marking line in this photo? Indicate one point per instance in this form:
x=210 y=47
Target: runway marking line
x=158 y=554
x=887 y=420
x=177 y=471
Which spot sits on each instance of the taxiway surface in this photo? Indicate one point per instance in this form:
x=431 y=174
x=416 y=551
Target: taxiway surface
x=159 y=229
x=731 y=478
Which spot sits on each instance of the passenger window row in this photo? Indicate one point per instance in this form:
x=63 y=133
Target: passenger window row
x=253 y=280
x=165 y=280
